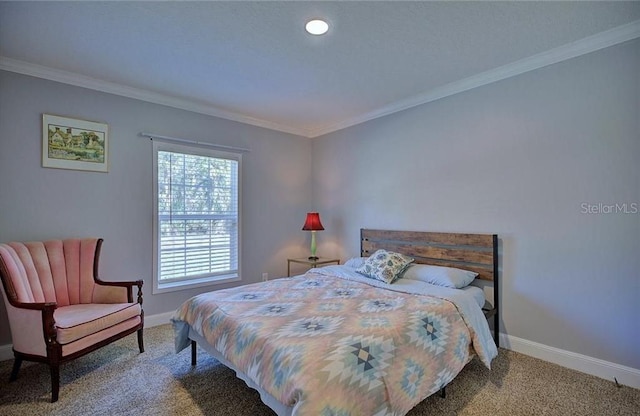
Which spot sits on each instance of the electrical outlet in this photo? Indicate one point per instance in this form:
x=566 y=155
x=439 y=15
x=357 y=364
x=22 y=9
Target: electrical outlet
x=265 y=277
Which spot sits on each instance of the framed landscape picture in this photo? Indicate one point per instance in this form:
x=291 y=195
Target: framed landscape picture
x=69 y=143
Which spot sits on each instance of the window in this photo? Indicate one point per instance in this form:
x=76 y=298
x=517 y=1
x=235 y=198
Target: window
x=196 y=216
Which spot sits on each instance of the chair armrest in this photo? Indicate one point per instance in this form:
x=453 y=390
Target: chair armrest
x=128 y=286
x=111 y=296
x=48 y=323
x=35 y=305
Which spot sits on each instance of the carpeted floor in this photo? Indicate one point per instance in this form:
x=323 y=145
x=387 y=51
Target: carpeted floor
x=117 y=380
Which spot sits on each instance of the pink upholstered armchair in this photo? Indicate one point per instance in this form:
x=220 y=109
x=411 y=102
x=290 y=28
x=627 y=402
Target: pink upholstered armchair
x=58 y=308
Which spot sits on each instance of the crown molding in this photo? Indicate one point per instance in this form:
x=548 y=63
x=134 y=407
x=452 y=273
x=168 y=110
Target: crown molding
x=71 y=78
x=571 y=50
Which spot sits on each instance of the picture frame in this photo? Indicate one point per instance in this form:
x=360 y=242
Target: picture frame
x=69 y=143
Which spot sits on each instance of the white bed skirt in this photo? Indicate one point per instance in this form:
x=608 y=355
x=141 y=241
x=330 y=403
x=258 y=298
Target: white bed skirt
x=269 y=400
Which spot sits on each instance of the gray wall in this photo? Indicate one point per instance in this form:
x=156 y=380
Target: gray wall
x=38 y=203
x=517 y=158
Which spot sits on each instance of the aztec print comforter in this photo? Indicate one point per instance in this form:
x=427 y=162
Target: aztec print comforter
x=333 y=342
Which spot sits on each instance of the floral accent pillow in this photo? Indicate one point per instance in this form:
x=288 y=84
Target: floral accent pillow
x=386 y=266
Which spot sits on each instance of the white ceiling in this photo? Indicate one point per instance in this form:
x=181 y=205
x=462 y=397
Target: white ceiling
x=253 y=61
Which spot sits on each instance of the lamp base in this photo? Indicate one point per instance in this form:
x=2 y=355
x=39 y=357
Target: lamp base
x=314 y=258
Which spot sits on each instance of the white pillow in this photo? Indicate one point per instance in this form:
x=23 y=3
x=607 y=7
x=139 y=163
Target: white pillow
x=355 y=262
x=440 y=276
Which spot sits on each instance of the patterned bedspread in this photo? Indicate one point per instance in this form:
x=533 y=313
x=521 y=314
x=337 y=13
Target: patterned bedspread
x=331 y=346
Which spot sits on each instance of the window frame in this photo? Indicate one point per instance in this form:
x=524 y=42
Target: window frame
x=189 y=283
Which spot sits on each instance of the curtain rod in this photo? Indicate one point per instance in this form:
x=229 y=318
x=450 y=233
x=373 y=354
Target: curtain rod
x=175 y=139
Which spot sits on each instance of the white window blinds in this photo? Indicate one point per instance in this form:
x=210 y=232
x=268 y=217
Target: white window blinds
x=197 y=222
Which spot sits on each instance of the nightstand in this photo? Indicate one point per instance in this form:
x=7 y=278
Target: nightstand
x=321 y=261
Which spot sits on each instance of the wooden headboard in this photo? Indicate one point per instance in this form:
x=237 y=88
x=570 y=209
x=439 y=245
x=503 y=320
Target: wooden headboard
x=475 y=252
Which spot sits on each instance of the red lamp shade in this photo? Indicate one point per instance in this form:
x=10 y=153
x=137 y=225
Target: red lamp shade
x=312 y=222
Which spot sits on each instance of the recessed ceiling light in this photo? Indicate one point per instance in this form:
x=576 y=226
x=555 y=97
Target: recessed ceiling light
x=317 y=27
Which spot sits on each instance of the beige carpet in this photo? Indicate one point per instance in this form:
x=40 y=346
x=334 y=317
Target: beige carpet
x=117 y=380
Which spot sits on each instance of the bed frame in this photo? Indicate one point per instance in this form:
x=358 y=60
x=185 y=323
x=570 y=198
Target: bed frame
x=475 y=252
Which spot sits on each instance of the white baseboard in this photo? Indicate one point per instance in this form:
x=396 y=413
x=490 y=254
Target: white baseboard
x=158 y=319
x=583 y=363
x=604 y=369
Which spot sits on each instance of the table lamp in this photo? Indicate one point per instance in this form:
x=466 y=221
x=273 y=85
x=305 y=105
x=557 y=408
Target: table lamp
x=313 y=224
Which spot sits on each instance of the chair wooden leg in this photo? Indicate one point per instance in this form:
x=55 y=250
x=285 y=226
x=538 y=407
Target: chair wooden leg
x=140 y=341
x=55 y=381
x=16 y=367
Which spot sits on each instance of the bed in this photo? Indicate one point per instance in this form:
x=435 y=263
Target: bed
x=335 y=342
